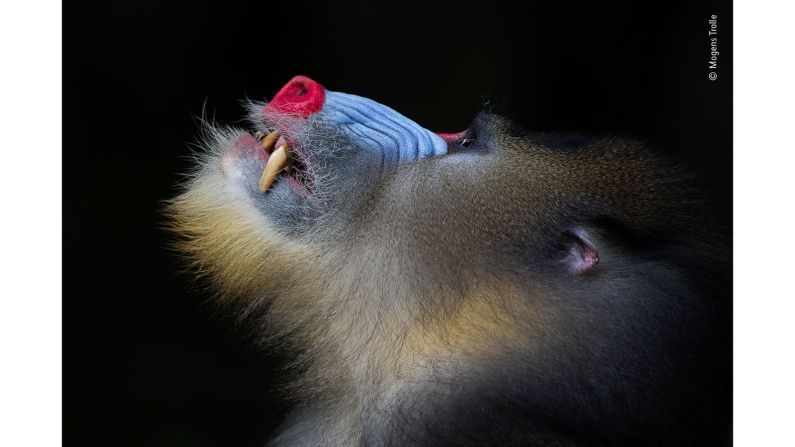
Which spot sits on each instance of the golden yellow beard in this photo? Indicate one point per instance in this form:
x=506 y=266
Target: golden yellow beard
x=227 y=241
x=333 y=306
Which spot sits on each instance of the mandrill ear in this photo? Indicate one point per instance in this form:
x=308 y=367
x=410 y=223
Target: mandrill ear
x=581 y=254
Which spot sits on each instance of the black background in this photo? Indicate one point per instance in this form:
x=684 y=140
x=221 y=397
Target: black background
x=146 y=360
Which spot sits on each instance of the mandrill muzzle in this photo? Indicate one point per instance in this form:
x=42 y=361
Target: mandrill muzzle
x=399 y=139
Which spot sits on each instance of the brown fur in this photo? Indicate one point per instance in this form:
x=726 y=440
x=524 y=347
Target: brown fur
x=426 y=278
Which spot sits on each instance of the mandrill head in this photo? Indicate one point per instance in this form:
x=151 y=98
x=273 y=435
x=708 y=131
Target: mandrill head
x=492 y=286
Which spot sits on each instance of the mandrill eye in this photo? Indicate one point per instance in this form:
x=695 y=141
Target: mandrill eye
x=461 y=142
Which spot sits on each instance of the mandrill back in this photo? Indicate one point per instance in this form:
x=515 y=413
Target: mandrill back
x=491 y=287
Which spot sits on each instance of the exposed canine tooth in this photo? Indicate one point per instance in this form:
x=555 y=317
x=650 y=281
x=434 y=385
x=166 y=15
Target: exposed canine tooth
x=277 y=161
x=268 y=142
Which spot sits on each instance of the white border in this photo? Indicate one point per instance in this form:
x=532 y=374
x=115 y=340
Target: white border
x=30 y=215
x=764 y=175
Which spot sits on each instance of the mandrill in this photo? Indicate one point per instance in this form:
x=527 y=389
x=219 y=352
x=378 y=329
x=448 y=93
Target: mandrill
x=494 y=287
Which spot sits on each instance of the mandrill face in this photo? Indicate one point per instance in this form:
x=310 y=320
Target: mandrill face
x=561 y=289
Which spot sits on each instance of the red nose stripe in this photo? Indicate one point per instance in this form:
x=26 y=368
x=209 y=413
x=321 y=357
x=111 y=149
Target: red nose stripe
x=300 y=97
x=450 y=137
